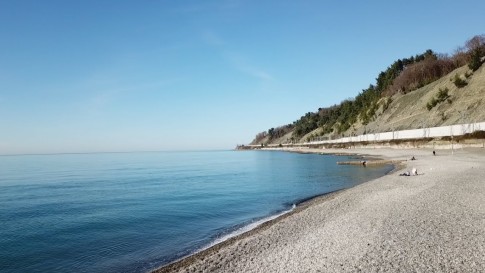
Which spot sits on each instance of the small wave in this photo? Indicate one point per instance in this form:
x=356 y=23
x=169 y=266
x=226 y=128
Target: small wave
x=245 y=228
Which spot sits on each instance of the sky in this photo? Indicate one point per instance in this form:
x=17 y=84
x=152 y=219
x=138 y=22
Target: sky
x=121 y=76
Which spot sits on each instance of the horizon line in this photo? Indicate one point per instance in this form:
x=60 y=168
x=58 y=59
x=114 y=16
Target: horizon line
x=119 y=152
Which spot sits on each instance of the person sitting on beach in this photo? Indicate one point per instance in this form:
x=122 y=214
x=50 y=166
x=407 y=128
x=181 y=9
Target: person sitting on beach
x=413 y=158
x=413 y=172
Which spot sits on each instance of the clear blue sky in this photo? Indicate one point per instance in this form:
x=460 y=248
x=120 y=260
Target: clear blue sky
x=89 y=76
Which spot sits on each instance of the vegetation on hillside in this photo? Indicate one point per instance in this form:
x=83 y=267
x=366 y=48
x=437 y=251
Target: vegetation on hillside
x=441 y=97
x=458 y=81
x=274 y=133
x=402 y=76
x=476 y=48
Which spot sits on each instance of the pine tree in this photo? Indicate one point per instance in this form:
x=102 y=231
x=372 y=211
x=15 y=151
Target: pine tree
x=476 y=62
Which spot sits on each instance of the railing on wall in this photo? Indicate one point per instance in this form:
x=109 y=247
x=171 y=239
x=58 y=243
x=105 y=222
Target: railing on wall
x=442 y=131
x=430 y=132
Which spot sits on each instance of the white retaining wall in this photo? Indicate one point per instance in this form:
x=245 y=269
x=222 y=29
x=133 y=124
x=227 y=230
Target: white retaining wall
x=451 y=130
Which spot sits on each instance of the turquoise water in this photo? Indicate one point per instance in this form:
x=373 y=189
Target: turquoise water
x=132 y=212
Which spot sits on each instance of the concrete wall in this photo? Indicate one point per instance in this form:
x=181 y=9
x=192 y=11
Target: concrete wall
x=451 y=130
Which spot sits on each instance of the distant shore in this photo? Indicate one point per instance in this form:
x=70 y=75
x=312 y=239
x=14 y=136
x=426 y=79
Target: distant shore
x=430 y=222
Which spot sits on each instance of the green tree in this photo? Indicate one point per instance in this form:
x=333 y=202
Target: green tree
x=476 y=61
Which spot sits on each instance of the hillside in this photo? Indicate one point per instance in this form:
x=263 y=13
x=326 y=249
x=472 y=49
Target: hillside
x=397 y=102
x=409 y=111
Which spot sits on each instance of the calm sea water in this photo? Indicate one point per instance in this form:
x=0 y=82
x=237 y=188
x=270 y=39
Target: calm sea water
x=131 y=212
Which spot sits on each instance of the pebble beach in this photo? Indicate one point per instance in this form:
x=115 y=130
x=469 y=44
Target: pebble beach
x=432 y=222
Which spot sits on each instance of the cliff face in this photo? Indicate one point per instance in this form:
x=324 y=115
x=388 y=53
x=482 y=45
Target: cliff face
x=439 y=103
x=462 y=105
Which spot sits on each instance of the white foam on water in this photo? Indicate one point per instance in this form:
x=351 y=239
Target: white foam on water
x=245 y=229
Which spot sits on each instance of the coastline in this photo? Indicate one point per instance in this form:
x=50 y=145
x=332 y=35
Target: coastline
x=335 y=232
x=181 y=263
x=303 y=204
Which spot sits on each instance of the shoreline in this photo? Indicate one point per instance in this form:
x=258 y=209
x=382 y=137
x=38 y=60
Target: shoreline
x=299 y=205
x=304 y=239
x=199 y=255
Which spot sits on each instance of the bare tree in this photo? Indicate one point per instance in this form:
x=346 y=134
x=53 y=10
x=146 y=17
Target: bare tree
x=475 y=43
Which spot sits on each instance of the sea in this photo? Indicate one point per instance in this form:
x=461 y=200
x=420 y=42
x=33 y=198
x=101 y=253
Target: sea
x=133 y=212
